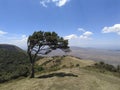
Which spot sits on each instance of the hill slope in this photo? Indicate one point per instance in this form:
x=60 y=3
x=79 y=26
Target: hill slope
x=10 y=47
x=13 y=62
x=71 y=75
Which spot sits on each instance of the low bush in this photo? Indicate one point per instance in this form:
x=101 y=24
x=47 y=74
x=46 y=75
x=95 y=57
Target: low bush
x=108 y=67
x=38 y=68
x=64 y=66
x=77 y=65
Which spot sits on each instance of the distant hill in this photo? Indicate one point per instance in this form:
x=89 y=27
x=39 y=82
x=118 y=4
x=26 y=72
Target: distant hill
x=66 y=73
x=10 y=47
x=13 y=62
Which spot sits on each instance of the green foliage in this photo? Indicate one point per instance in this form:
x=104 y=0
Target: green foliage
x=51 y=39
x=38 y=68
x=108 y=67
x=13 y=63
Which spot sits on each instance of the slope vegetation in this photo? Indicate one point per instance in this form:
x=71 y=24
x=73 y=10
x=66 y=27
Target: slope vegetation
x=13 y=62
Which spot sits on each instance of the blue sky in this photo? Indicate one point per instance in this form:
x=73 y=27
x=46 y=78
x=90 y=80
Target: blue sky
x=86 y=23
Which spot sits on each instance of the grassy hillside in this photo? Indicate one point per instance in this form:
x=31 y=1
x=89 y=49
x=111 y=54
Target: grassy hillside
x=66 y=73
x=13 y=62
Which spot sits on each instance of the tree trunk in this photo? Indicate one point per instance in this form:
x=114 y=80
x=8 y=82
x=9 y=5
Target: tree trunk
x=32 y=71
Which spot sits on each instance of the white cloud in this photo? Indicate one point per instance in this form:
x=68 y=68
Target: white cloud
x=44 y=2
x=24 y=36
x=82 y=40
x=21 y=42
x=18 y=40
x=72 y=36
x=86 y=35
x=113 y=29
x=2 y=32
x=58 y=3
x=81 y=30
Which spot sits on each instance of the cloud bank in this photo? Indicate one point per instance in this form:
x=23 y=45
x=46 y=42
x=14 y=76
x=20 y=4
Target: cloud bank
x=83 y=38
x=58 y=3
x=113 y=29
x=86 y=35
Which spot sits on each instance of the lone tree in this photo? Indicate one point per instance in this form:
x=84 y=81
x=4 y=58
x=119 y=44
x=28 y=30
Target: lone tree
x=38 y=42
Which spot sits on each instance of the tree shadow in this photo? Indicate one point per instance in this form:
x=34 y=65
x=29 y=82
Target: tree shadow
x=60 y=74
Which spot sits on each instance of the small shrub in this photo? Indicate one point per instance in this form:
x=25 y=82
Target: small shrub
x=38 y=68
x=71 y=65
x=77 y=65
x=55 y=68
x=101 y=63
x=64 y=56
x=64 y=66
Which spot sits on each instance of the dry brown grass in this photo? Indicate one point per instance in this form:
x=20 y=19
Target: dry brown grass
x=67 y=61
x=86 y=80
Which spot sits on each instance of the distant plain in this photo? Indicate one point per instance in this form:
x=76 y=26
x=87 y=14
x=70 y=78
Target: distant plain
x=108 y=56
